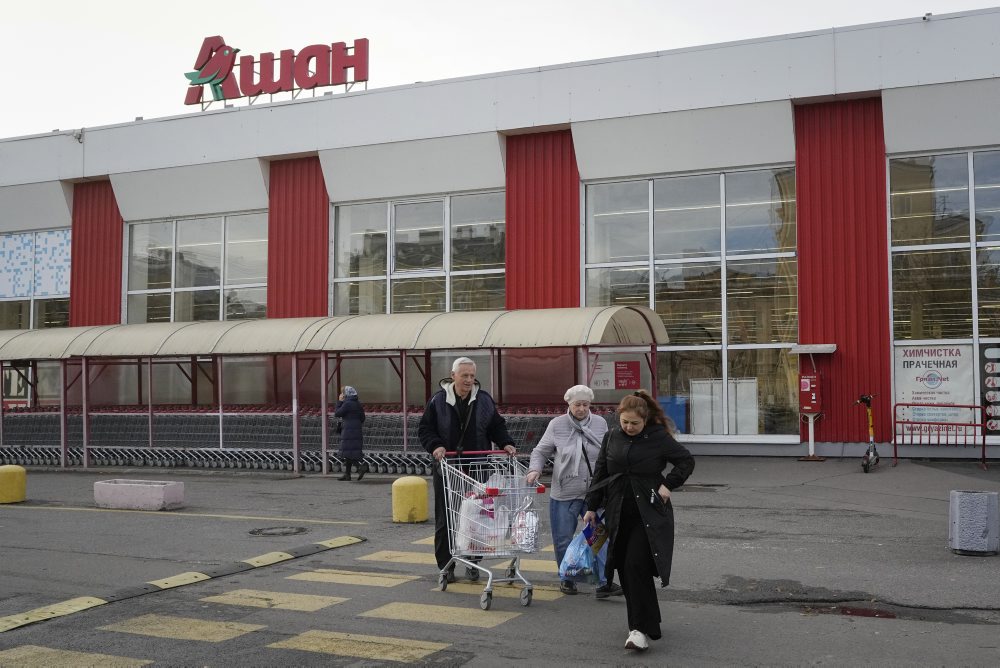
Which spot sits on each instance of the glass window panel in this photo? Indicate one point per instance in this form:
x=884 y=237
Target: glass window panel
x=763 y=384
x=762 y=301
x=932 y=294
x=359 y=298
x=618 y=222
x=987 y=169
x=929 y=199
x=418 y=295
x=148 y=308
x=246 y=249
x=687 y=216
x=688 y=298
x=419 y=229
x=150 y=256
x=246 y=304
x=760 y=211
x=608 y=286
x=51 y=313
x=477 y=231
x=478 y=293
x=196 y=305
x=360 y=240
x=14 y=315
x=199 y=253
x=678 y=371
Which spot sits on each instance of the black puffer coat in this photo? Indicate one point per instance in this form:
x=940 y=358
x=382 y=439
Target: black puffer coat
x=352 y=414
x=635 y=465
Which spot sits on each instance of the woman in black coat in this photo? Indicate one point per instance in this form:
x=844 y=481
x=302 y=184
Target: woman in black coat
x=352 y=416
x=629 y=483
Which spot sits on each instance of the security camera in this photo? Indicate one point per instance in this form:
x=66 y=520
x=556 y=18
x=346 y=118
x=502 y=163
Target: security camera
x=927 y=16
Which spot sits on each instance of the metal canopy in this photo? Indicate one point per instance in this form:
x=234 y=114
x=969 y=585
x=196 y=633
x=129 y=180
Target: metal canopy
x=535 y=328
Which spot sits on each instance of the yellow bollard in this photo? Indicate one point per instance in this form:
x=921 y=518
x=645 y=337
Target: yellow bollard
x=13 y=484
x=409 y=499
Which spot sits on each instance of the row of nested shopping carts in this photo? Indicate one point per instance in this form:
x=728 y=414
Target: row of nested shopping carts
x=492 y=513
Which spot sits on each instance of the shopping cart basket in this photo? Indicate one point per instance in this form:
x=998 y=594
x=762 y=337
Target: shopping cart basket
x=492 y=512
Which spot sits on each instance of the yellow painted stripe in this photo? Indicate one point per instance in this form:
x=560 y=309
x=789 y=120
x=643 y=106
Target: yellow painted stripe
x=275 y=599
x=442 y=614
x=182 y=628
x=340 y=541
x=538 y=593
x=33 y=656
x=425 y=541
x=174 y=513
x=376 y=648
x=179 y=580
x=395 y=557
x=48 y=612
x=548 y=548
x=354 y=578
x=268 y=559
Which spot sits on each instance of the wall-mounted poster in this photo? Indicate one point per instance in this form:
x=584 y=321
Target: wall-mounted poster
x=989 y=360
x=936 y=378
x=628 y=375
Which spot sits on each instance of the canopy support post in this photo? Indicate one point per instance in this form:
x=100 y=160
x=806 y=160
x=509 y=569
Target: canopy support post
x=403 y=398
x=62 y=417
x=324 y=410
x=295 y=413
x=85 y=412
x=1 y=401
x=217 y=361
x=149 y=396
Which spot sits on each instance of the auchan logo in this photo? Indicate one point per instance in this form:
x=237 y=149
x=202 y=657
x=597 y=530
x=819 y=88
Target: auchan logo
x=313 y=66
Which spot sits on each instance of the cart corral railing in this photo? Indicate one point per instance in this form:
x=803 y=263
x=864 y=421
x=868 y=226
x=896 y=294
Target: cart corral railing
x=960 y=425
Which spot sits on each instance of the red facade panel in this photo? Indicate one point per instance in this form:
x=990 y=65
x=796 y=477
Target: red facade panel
x=543 y=221
x=843 y=261
x=298 y=232
x=95 y=292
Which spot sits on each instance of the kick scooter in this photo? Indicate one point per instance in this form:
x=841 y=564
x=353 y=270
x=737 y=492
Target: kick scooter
x=870 y=459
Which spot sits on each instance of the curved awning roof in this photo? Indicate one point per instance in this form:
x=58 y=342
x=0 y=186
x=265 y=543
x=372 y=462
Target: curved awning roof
x=535 y=328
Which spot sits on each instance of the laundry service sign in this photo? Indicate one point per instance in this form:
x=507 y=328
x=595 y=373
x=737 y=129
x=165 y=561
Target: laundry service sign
x=228 y=77
x=939 y=378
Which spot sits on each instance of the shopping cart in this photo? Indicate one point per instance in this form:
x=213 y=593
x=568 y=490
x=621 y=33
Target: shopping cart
x=492 y=512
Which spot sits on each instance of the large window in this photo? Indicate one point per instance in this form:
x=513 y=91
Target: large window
x=714 y=255
x=435 y=254
x=197 y=269
x=34 y=279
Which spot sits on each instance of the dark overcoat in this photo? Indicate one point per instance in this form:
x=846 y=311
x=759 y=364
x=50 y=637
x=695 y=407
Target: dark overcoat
x=352 y=415
x=636 y=465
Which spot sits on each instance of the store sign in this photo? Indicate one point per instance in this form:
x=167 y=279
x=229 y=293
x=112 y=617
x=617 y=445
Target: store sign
x=318 y=65
x=939 y=378
x=616 y=376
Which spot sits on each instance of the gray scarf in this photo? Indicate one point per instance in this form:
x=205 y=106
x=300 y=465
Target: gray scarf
x=582 y=428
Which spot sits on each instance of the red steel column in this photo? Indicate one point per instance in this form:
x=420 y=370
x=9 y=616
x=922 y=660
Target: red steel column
x=298 y=231
x=95 y=293
x=843 y=261
x=543 y=221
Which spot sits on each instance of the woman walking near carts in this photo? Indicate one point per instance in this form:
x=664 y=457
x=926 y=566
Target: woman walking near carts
x=352 y=415
x=629 y=484
x=572 y=441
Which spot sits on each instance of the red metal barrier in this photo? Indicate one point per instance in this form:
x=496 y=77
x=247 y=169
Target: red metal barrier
x=917 y=424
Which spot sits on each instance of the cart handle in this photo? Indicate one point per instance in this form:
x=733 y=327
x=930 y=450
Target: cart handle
x=454 y=453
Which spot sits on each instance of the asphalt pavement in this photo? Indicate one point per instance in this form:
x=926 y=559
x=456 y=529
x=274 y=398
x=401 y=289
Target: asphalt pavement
x=777 y=562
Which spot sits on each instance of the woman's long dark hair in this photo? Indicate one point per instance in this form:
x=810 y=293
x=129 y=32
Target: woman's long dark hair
x=644 y=406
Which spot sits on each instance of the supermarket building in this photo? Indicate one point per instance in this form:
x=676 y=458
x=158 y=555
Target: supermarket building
x=832 y=187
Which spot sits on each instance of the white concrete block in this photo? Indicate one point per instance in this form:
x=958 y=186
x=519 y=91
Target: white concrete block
x=975 y=522
x=139 y=494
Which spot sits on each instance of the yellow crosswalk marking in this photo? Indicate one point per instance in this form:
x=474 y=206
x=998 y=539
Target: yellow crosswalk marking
x=377 y=648
x=401 y=557
x=33 y=656
x=354 y=578
x=179 y=580
x=48 y=612
x=538 y=593
x=275 y=599
x=182 y=628
x=441 y=614
x=268 y=559
x=425 y=541
x=533 y=565
x=548 y=548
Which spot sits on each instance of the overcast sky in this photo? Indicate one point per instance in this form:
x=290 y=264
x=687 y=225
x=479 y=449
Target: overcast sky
x=68 y=64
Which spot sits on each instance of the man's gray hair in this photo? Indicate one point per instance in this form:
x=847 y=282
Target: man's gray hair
x=459 y=362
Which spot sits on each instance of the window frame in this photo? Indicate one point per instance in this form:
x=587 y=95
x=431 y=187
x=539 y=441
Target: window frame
x=32 y=299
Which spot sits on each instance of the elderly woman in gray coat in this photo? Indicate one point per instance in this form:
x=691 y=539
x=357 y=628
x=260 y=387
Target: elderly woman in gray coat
x=573 y=442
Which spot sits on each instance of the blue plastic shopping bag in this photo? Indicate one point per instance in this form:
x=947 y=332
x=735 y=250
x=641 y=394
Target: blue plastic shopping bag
x=597 y=538
x=579 y=562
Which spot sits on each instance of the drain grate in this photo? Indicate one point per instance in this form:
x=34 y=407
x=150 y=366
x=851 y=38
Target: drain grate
x=278 y=531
